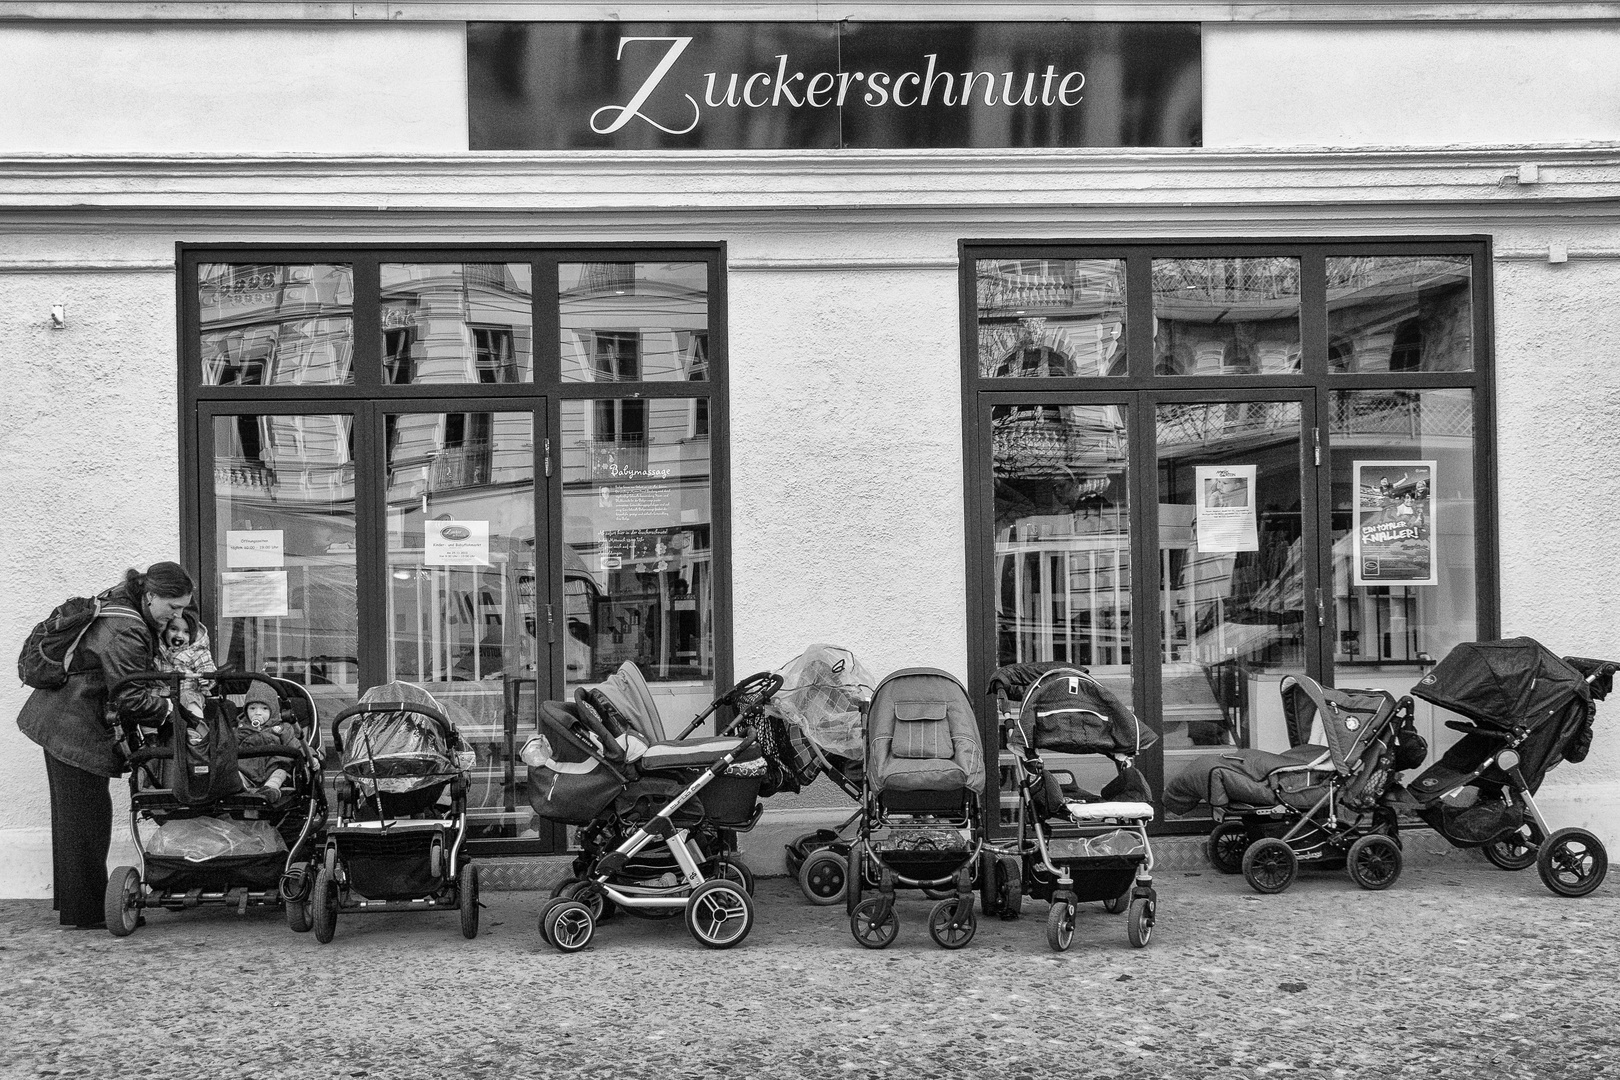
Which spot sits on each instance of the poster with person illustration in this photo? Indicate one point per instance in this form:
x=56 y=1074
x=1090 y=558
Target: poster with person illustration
x=1394 y=523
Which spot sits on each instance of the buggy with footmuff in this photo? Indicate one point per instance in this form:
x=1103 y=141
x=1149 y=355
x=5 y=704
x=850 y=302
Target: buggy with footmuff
x=1073 y=846
x=203 y=836
x=1527 y=710
x=1322 y=804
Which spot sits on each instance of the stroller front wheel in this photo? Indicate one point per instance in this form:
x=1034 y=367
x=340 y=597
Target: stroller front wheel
x=568 y=925
x=719 y=913
x=1060 y=926
x=1374 y=862
x=871 y=930
x=1515 y=851
x=951 y=923
x=324 y=905
x=121 y=903
x=1139 y=924
x=1572 y=862
x=1270 y=865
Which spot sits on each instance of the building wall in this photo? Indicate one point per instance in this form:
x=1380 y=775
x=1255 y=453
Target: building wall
x=842 y=290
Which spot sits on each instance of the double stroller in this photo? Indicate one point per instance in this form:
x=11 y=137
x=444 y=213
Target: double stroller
x=920 y=824
x=202 y=835
x=1072 y=846
x=1323 y=804
x=1527 y=710
x=398 y=841
x=657 y=818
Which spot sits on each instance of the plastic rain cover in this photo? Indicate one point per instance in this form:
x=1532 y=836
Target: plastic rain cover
x=403 y=749
x=821 y=694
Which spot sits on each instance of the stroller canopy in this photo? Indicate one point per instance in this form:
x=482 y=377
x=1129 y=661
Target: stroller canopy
x=1516 y=683
x=1067 y=711
x=627 y=691
x=1351 y=719
x=821 y=695
x=400 y=739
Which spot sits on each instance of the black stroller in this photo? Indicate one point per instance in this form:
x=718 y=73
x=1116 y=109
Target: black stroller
x=1324 y=805
x=398 y=843
x=657 y=822
x=203 y=836
x=1529 y=711
x=1073 y=846
x=921 y=822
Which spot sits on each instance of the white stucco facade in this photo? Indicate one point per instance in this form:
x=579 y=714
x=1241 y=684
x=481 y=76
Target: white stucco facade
x=124 y=134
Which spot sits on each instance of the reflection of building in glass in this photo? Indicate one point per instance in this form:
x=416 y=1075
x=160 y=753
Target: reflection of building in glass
x=1051 y=317
x=457 y=323
x=1225 y=316
x=633 y=322
x=1400 y=313
x=265 y=325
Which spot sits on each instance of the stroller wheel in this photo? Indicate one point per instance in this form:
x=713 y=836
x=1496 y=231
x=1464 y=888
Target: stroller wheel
x=1060 y=926
x=989 y=887
x=1116 y=904
x=591 y=895
x=951 y=923
x=121 y=904
x=1571 y=863
x=719 y=913
x=1374 y=861
x=823 y=876
x=467 y=897
x=324 y=905
x=299 y=899
x=546 y=909
x=732 y=868
x=569 y=926
x=1226 y=846
x=1139 y=923
x=1517 y=850
x=1270 y=866
x=871 y=931
x=854 y=881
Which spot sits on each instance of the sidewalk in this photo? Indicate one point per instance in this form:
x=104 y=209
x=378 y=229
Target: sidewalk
x=1460 y=970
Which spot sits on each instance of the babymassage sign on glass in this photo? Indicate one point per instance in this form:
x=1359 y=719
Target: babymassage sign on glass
x=1394 y=533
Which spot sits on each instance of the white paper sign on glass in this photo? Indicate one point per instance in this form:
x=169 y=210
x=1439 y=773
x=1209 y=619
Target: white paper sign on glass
x=250 y=548
x=253 y=594
x=456 y=543
x=1226 y=515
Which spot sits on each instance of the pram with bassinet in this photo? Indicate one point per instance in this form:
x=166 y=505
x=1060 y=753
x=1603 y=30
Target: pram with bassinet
x=1072 y=846
x=1323 y=804
x=399 y=840
x=823 y=698
x=1528 y=710
x=202 y=836
x=921 y=821
x=657 y=818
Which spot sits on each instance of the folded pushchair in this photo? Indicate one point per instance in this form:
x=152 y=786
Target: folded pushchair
x=920 y=825
x=1322 y=804
x=1528 y=711
x=398 y=842
x=1073 y=846
x=824 y=692
x=203 y=837
x=654 y=817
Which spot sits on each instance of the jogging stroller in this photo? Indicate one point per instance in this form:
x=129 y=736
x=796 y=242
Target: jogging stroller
x=654 y=818
x=1073 y=846
x=204 y=837
x=398 y=843
x=823 y=696
x=920 y=825
x=1529 y=710
x=1318 y=804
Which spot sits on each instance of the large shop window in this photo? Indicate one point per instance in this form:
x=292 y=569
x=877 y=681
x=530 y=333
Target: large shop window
x=1196 y=469
x=494 y=473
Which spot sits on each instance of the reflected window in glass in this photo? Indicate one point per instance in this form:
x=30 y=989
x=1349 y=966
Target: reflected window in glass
x=264 y=324
x=1400 y=313
x=632 y=322
x=1226 y=316
x=1051 y=318
x=457 y=323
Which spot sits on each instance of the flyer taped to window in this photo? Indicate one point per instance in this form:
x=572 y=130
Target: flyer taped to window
x=1226 y=508
x=1394 y=533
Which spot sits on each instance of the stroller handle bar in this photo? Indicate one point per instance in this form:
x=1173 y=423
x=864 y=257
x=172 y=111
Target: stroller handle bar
x=446 y=728
x=757 y=689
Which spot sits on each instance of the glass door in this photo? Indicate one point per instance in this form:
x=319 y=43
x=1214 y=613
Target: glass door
x=1236 y=606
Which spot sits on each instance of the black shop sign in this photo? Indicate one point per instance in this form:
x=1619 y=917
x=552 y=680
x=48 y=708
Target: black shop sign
x=791 y=86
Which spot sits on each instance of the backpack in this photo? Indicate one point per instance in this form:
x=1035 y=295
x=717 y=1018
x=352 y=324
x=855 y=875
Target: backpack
x=46 y=660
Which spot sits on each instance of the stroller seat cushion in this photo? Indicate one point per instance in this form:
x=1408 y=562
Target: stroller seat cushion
x=924 y=774
x=687 y=753
x=1104 y=811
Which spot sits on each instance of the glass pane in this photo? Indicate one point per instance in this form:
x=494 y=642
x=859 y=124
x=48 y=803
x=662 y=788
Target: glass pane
x=1063 y=547
x=272 y=325
x=639 y=547
x=457 y=323
x=1403 y=525
x=1051 y=317
x=284 y=591
x=1232 y=580
x=461 y=590
x=1400 y=313
x=1225 y=316
x=634 y=322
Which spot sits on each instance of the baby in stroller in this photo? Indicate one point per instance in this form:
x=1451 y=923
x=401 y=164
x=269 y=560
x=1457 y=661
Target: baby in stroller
x=398 y=841
x=921 y=823
x=1323 y=804
x=260 y=735
x=1073 y=846
x=202 y=838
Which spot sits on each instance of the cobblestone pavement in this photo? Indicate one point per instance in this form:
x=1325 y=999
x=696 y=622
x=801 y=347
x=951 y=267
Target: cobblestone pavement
x=1460 y=970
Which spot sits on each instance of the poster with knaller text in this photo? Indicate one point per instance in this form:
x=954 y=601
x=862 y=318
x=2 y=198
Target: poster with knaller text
x=1394 y=523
